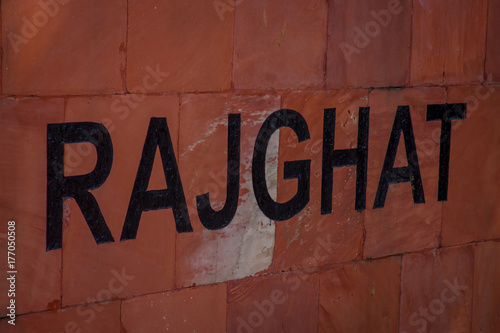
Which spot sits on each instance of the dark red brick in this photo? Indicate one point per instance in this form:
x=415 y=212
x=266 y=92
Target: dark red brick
x=360 y=297
x=448 y=42
x=486 y=299
x=23 y=166
x=369 y=43
x=401 y=225
x=436 y=291
x=310 y=238
x=201 y=309
x=71 y=48
x=278 y=45
x=145 y=264
x=186 y=41
x=286 y=302
x=472 y=212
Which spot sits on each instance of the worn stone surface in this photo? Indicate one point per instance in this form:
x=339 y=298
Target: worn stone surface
x=486 y=298
x=401 y=225
x=246 y=245
x=136 y=266
x=98 y=318
x=369 y=43
x=310 y=238
x=279 y=45
x=472 y=212
x=448 y=42
x=23 y=168
x=200 y=309
x=360 y=297
x=286 y=302
x=63 y=47
x=436 y=291
x=186 y=41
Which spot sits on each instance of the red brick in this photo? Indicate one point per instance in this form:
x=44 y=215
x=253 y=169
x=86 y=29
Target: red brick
x=96 y=318
x=246 y=245
x=360 y=297
x=472 y=211
x=430 y=299
x=362 y=52
x=280 y=45
x=286 y=302
x=448 y=42
x=201 y=309
x=148 y=260
x=310 y=238
x=486 y=299
x=492 y=44
x=187 y=40
x=401 y=225
x=57 y=58
x=23 y=165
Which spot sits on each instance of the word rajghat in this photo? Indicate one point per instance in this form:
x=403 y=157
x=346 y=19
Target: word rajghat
x=60 y=187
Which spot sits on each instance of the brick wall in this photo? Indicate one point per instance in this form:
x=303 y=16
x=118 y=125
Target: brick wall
x=430 y=266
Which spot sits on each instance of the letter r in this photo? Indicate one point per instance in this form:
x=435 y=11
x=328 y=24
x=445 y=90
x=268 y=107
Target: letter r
x=60 y=187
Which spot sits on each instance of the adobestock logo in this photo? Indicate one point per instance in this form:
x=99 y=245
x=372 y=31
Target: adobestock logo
x=30 y=28
x=372 y=29
x=437 y=306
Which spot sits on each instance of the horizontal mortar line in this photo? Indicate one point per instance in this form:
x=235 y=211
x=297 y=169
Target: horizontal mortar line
x=242 y=92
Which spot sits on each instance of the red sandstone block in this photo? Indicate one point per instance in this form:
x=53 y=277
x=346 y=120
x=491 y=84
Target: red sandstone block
x=369 y=43
x=436 y=291
x=286 y=302
x=57 y=47
x=280 y=45
x=309 y=238
x=360 y=297
x=97 y=318
x=186 y=41
x=492 y=44
x=472 y=212
x=486 y=299
x=201 y=309
x=121 y=268
x=448 y=42
x=401 y=225
x=23 y=161
x=245 y=246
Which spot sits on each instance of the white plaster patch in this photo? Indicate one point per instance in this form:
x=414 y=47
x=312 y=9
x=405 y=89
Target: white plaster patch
x=245 y=246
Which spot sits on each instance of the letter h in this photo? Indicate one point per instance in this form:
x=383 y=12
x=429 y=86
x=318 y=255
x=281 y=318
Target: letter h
x=333 y=158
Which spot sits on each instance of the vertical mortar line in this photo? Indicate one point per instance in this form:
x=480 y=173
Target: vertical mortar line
x=227 y=305
x=234 y=45
x=325 y=60
x=473 y=286
x=124 y=78
x=485 y=74
x=1 y=51
x=409 y=84
x=120 y=316
x=400 y=292
x=317 y=301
